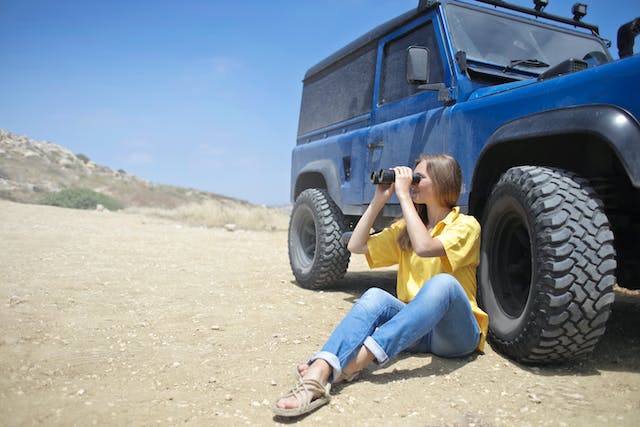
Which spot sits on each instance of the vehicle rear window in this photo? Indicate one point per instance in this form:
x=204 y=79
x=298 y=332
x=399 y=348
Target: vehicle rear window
x=341 y=92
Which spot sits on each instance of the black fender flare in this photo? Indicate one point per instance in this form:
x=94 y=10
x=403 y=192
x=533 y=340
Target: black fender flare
x=611 y=124
x=328 y=170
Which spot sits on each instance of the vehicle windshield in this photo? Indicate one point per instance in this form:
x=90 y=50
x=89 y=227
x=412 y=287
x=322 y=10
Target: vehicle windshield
x=515 y=44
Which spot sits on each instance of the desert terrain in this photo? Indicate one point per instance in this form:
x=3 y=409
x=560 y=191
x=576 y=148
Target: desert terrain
x=119 y=318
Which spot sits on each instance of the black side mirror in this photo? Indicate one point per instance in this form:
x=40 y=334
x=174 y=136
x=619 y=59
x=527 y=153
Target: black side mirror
x=626 y=35
x=417 y=65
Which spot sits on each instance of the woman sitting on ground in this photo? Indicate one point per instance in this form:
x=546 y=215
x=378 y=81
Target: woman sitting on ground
x=437 y=251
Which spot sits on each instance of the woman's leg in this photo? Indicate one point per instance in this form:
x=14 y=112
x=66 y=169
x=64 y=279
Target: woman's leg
x=458 y=333
x=345 y=343
x=439 y=319
x=373 y=309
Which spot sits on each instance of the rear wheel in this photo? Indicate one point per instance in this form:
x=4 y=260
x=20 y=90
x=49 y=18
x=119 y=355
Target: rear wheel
x=547 y=265
x=317 y=255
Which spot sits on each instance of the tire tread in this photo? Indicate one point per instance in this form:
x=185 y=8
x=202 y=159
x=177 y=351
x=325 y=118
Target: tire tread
x=576 y=267
x=331 y=259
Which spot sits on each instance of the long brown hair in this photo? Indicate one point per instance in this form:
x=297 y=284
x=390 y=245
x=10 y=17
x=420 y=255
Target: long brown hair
x=446 y=175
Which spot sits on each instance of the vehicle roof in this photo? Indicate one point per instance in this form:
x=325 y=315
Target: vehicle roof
x=382 y=30
x=362 y=41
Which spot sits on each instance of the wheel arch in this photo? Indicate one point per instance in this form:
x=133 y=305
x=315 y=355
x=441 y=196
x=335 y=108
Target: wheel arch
x=592 y=140
x=321 y=174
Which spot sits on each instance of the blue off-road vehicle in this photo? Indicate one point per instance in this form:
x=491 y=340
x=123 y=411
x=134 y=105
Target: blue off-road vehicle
x=544 y=124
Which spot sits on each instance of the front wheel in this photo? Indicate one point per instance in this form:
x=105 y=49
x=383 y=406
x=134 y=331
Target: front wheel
x=317 y=255
x=547 y=265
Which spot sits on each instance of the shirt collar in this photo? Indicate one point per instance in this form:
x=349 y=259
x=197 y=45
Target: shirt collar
x=451 y=216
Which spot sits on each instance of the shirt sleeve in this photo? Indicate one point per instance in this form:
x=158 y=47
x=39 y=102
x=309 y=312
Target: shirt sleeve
x=461 y=242
x=383 y=249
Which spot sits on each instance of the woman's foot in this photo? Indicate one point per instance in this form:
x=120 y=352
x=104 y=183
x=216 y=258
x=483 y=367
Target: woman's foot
x=301 y=371
x=315 y=376
x=352 y=371
x=308 y=394
x=348 y=378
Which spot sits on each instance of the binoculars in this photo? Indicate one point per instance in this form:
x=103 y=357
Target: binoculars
x=388 y=176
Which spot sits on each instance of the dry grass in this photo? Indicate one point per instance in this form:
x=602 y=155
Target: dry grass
x=222 y=212
x=29 y=170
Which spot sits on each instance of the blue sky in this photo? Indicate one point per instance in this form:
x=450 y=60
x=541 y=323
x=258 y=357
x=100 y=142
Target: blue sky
x=200 y=94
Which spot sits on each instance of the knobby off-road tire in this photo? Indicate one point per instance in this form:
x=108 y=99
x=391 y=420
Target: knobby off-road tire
x=317 y=256
x=547 y=265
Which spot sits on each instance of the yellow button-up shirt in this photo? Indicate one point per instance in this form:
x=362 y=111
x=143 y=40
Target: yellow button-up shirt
x=460 y=237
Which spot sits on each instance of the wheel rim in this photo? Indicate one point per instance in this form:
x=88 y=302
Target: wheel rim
x=305 y=228
x=513 y=271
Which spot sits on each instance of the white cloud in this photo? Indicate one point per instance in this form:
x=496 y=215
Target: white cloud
x=223 y=65
x=247 y=161
x=137 y=158
x=137 y=143
x=211 y=150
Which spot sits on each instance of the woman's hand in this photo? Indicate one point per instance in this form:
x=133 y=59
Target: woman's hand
x=384 y=192
x=404 y=178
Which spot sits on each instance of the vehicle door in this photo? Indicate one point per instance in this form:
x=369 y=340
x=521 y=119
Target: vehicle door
x=406 y=119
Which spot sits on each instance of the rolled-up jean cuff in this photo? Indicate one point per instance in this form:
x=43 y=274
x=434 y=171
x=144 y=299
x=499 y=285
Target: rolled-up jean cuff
x=332 y=360
x=378 y=352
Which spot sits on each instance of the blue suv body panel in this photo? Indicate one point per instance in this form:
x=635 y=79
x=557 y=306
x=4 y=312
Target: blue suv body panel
x=527 y=106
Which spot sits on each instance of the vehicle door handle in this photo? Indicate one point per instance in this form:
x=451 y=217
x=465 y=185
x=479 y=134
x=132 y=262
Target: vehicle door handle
x=373 y=146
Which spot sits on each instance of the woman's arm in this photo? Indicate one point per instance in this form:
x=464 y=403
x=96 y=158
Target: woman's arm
x=358 y=241
x=421 y=241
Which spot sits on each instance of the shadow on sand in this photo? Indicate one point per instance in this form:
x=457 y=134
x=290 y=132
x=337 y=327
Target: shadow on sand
x=356 y=283
x=617 y=350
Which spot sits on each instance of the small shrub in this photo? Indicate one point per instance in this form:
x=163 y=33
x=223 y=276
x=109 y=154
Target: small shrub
x=80 y=198
x=82 y=157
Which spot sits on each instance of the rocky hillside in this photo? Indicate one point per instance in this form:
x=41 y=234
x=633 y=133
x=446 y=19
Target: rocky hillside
x=30 y=169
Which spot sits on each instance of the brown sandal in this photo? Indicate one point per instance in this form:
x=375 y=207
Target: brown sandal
x=344 y=377
x=306 y=404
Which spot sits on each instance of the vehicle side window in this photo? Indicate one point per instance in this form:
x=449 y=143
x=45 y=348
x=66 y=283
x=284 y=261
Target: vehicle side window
x=339 y=93
x=394 y=85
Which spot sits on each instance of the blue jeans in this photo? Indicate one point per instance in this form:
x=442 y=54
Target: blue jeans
x=438 y=320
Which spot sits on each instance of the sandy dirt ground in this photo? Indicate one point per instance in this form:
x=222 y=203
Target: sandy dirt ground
x=120 y=319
